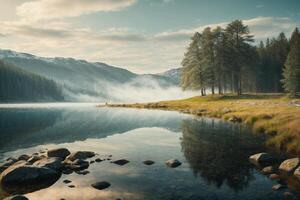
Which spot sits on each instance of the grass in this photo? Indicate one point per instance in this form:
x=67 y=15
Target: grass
x=273 y=114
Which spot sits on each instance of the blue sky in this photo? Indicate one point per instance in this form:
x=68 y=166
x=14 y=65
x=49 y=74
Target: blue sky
x=145 y=36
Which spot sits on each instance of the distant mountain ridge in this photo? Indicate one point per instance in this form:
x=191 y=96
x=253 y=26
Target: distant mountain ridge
x=83 y=80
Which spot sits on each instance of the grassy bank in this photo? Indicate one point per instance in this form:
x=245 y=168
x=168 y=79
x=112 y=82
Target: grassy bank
x=273 y=114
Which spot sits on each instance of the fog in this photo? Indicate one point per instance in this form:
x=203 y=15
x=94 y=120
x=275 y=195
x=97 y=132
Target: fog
x=140 y=89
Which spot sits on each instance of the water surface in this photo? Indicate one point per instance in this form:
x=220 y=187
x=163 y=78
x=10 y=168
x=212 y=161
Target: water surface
x=214 y=154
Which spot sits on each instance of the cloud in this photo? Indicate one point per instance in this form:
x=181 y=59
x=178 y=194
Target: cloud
x=51 y=9
x=260 y=27
x=124 y=47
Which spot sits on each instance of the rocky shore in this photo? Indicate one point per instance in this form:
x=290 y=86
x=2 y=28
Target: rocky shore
x=29 y=173
x=278 y=169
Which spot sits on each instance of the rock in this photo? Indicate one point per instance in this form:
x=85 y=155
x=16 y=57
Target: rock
x=7 y=164
x=67 y=171
x=289 y=165
x=81 y=155
x=278 y=187
x=23 y=157
x=71 y=186
x=120 y=162
x=92 y=161
x=297 y=173
x=148 y=162
x=288 y=196
x=98 y=160
x=274 y=177
x=67 y=181
x=261 y=158
x=84 y=172
x=173 y=163
x=76 y=165
x=60 y=153
x=268 y=170
x=235 y=119
x=21 y=178
x=33 y=159
x=100 y=185
x=17 y=197
x=54 y=163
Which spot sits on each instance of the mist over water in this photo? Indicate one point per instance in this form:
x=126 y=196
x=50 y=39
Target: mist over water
x=140 y=89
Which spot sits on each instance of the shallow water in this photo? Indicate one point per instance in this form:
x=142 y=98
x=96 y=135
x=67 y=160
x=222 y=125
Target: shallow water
x=214 y=154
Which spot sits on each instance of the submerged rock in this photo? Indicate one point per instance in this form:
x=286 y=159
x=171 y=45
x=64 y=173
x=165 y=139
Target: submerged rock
x=81 y=155
x=173 y=163
x=120 y=162
x=60 y=153
x=100 y=185
x=98 y=160
x=148 y=162
x=289 y=165
x=67 y=181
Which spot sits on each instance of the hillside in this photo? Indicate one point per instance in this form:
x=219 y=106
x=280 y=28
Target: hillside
x=17 y=85
x=86 y=81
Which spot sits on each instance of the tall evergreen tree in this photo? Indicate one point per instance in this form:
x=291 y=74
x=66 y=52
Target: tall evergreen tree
x=291 y=71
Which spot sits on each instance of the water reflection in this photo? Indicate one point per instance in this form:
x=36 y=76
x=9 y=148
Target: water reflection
x=218 y=151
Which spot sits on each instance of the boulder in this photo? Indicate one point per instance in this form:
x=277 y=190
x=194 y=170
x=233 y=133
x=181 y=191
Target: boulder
x=148 y=162
x=173 y=163
x=54 y=163
x=289 y=165
x=98 y=160
x=23 y=157
x=100 y=185
x=268 y=170
x=60 y=153
x=21 y=178
x=120 y=162
x=297 y=173
x=81 y=155
x=261 y=159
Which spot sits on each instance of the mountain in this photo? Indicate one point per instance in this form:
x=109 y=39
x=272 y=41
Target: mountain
x=81 y=80
x=18 y=85
x=172 y=74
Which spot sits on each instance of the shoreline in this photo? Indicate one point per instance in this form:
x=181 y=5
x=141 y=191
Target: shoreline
x=272 y=114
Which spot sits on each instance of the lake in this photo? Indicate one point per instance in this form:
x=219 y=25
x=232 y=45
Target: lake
x=214 y=153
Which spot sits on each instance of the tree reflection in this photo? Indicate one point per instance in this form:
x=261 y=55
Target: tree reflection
x=219 y=151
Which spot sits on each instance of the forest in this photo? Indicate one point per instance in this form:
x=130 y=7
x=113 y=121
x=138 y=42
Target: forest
x=223 y=60
x=19 y=85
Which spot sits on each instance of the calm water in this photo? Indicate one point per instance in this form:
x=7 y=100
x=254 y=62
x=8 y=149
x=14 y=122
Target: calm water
x=214 y=153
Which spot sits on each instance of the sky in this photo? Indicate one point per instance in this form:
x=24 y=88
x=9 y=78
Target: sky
x=143 y=36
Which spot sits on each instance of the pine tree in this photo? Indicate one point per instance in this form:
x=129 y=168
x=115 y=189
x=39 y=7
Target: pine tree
x=192 y=74
x=291 y=72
